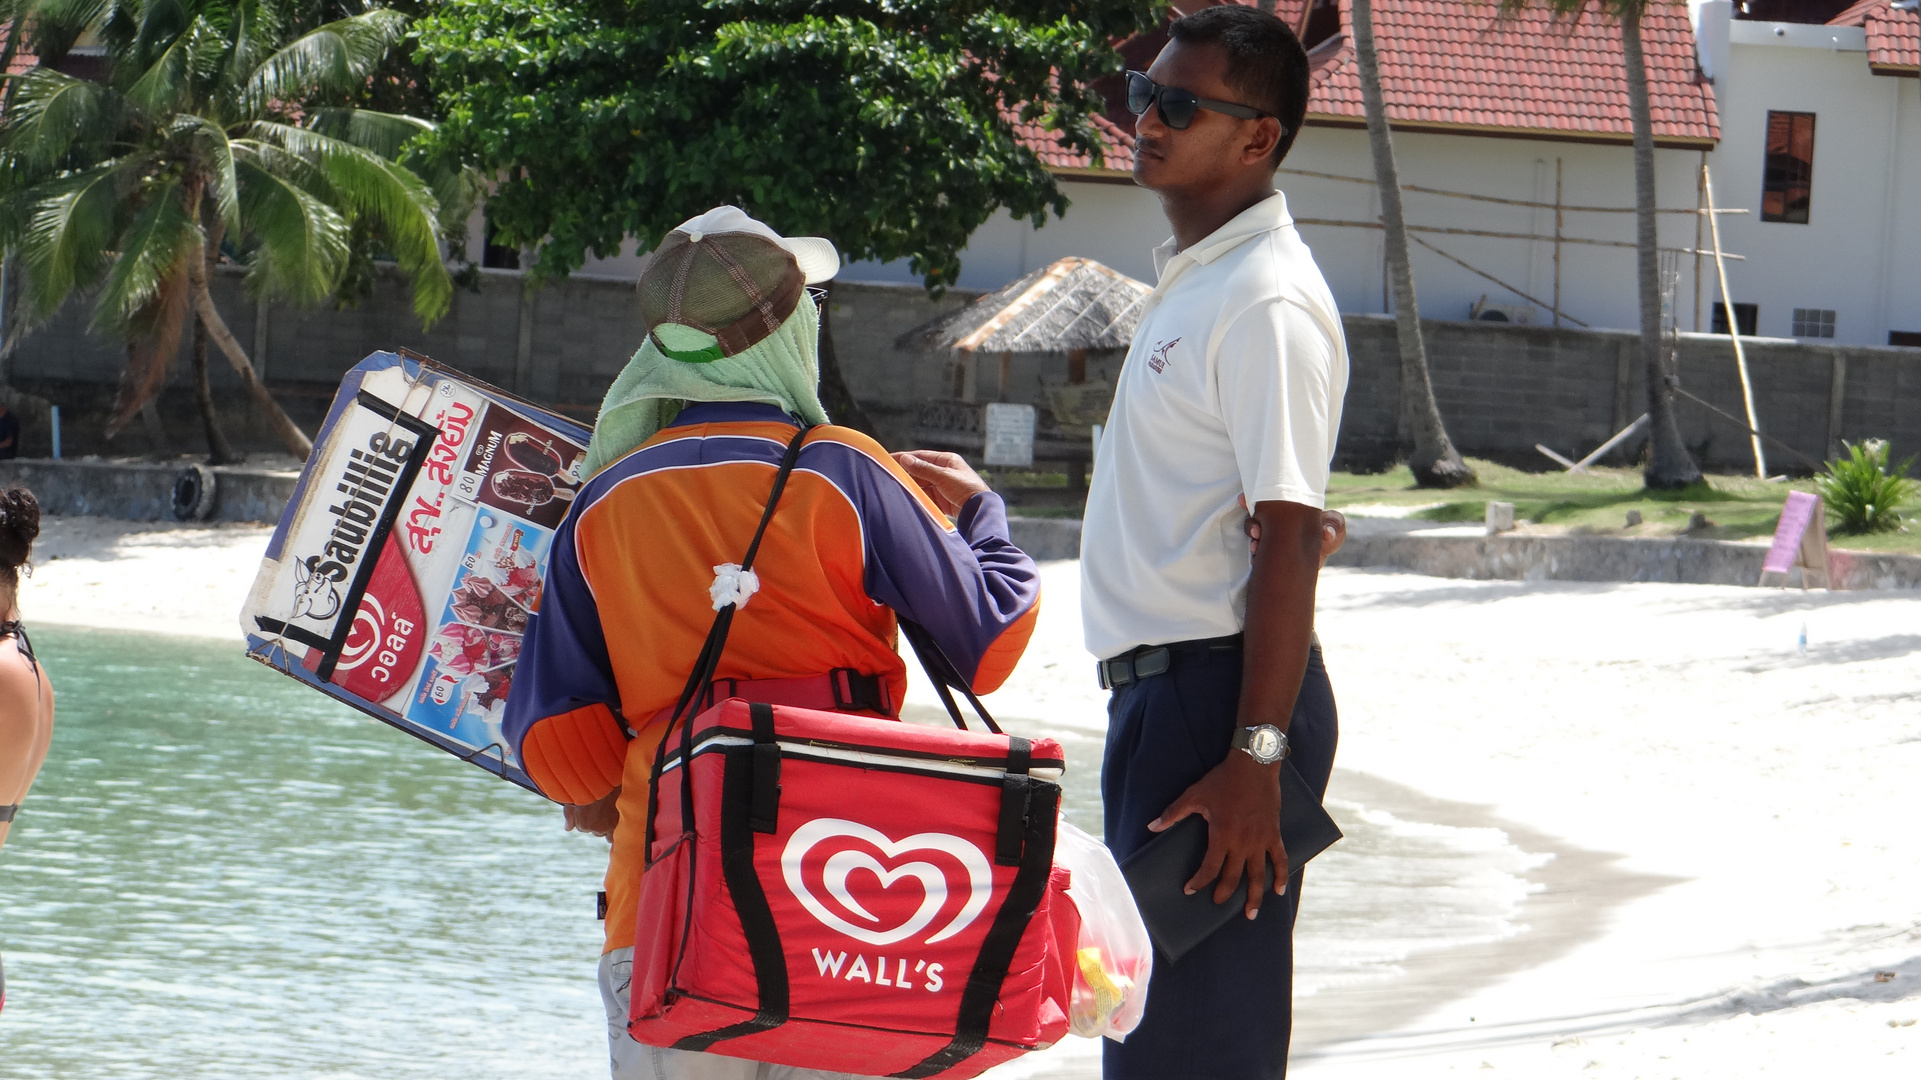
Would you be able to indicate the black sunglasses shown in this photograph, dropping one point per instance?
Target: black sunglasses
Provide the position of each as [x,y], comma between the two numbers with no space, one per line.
[1177,106]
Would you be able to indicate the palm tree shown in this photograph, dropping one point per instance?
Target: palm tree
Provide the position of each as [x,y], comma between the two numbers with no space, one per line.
[1669,463]
[209,131]
[1434,460]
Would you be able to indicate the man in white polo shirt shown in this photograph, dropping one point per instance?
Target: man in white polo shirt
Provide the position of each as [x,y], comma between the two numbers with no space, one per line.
[1232,392]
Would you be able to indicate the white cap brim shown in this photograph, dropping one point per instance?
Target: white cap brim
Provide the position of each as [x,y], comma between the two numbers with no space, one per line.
[818,258]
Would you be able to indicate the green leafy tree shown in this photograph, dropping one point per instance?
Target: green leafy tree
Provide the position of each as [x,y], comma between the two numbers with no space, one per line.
[212,128]
[1434,460]
[886,125]
[1669,464]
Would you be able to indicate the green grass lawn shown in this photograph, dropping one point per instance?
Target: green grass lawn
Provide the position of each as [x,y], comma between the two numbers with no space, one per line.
[1597,503]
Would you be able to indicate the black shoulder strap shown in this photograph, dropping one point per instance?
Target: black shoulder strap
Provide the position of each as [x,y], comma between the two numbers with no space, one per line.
[691,697]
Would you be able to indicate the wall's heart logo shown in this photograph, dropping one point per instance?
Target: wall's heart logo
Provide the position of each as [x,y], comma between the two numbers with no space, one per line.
[840,865]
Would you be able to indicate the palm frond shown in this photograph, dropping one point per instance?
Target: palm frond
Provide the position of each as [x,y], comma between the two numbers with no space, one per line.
[153,340]
[303,241]
[386,134]
[166,82]
[68,241]
[221,185]
[149,249]
[456,188]
[336,58]
[53,113]
[388,195]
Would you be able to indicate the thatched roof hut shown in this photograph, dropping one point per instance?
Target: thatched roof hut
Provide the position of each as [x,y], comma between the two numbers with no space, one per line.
[1074,305]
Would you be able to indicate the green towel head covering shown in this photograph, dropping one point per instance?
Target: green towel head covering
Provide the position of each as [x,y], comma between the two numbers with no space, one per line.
[783,370]
[724,298]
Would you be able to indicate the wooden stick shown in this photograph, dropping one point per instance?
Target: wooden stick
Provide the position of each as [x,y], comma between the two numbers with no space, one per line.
[1347,224]
[1734,328]
[1476,270]
[1619,437]
[1736,421]
[1557,242]
[1496,199]
[1570,466]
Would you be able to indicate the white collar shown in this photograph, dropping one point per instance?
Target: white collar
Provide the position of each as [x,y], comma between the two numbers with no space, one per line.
[1264,216]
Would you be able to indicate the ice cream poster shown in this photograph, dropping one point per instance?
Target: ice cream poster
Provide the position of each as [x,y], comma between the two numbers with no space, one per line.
[403,572]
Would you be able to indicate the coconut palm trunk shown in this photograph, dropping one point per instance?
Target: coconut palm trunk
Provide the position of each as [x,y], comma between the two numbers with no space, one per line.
[219,450]
[1669,464]
[1433,458]
[290,434]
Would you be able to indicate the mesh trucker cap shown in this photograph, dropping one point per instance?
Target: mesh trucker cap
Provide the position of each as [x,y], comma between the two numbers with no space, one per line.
[732,279]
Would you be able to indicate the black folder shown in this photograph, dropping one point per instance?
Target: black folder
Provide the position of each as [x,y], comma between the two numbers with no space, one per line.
[1156,873]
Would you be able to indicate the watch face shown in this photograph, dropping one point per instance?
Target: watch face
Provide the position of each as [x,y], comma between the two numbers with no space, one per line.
[1265,744]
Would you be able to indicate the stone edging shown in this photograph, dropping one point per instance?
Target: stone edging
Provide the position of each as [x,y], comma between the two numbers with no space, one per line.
[139,491]
[1542,558]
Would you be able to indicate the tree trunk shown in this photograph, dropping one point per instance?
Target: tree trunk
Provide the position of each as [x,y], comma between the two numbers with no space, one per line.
[1669,465]
[290,434]
[219,451]
[1434,460]
[835,397]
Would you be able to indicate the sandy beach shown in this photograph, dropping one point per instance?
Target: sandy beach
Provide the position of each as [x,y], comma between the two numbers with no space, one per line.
[1727,878]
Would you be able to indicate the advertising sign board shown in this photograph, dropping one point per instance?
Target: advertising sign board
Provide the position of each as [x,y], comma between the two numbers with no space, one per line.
[404,569]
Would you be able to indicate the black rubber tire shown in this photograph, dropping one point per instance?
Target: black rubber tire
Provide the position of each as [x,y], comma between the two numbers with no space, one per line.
[193,493]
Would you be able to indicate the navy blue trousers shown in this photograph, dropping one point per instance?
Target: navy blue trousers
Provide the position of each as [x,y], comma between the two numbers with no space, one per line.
[1225,1011]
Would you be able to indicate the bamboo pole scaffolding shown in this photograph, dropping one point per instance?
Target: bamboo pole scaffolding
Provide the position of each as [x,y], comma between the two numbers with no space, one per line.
[1734,327]
[1708,213]
[1558,315]
[1492,234]
[1558,222]
[1498,199]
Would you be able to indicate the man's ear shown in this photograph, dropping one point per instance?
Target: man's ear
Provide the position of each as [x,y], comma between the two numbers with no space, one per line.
[1260,145]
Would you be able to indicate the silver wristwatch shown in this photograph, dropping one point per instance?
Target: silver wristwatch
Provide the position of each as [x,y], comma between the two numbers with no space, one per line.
[1266,744]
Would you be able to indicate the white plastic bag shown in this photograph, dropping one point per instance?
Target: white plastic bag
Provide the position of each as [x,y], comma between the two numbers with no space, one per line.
[1114,957]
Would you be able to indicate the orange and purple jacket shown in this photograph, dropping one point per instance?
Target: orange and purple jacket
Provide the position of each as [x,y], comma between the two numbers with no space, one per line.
[626,605]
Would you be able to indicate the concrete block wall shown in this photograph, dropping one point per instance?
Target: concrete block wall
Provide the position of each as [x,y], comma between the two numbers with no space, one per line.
[1501,388]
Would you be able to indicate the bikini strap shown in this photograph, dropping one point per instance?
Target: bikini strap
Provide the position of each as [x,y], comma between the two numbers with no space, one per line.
[17,628]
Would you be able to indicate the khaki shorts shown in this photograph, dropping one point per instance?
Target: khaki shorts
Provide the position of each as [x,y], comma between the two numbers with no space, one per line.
[638,1061]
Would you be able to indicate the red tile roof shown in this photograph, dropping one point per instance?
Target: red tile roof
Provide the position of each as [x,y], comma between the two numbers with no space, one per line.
[1117,147]
[23,61]
[1453,66]
[1894,36]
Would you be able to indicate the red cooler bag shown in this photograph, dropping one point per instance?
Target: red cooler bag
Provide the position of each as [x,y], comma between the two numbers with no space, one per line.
[850,894]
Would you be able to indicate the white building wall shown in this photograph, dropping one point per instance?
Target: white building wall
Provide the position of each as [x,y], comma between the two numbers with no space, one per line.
[1118,224]
[1859,255]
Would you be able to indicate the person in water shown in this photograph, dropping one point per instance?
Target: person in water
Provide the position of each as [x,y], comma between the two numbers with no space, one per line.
[681,463]
[26,697]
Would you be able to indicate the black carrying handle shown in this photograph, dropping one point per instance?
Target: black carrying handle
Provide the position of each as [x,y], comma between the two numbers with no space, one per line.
[942,673]
[1018,785]
[699,683]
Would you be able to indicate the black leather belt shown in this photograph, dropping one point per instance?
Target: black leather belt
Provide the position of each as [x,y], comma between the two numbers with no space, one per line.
[1134,666]
[1148,661]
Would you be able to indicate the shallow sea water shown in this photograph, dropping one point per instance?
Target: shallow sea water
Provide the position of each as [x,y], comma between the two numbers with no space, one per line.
[223,874]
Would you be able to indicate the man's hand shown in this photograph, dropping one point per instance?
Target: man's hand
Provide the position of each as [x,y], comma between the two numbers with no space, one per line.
[947,478]
[598,818]
[1241,801]
[1333,531]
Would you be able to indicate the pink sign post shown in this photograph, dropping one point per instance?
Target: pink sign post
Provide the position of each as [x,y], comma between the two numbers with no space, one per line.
[1801,539]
